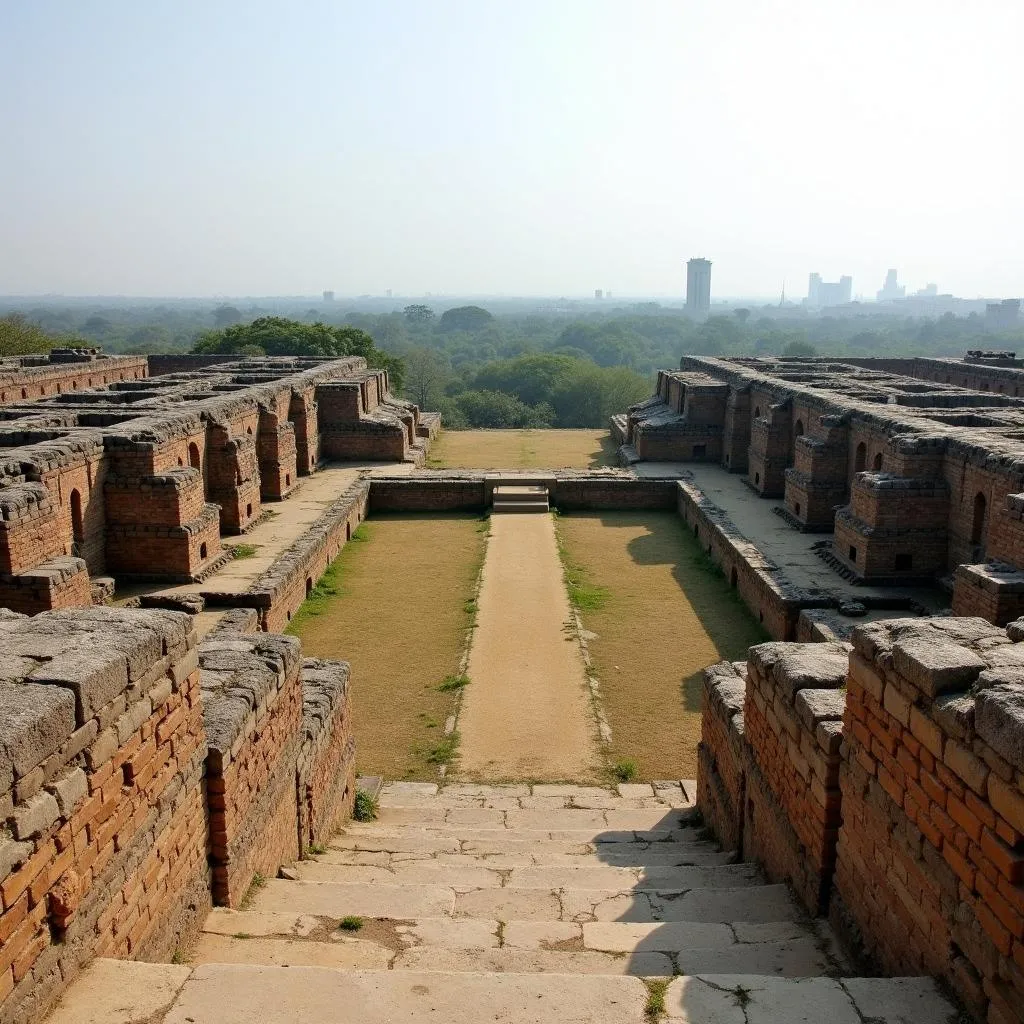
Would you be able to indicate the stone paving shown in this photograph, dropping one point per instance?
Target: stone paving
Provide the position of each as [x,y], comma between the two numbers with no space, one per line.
[524,904]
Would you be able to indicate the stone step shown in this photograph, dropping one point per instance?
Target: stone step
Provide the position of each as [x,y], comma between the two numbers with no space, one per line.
[591,875]
[239,994]
[754,903]
[242,994]
[501,855]
[455,834]
[596,820]
[520,506]
[789,949]
[672,792]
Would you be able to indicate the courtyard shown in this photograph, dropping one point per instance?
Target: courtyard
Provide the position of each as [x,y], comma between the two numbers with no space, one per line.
[522,449]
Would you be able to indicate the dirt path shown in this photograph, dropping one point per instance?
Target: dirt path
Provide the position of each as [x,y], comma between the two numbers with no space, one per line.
[526,713]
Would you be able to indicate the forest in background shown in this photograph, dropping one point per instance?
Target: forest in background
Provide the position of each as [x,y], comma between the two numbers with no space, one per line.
[566,365]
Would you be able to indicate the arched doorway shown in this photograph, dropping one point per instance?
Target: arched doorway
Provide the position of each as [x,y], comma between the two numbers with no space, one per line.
[798,430]
[980,519]
[877,464]
[860,458]
[193,456]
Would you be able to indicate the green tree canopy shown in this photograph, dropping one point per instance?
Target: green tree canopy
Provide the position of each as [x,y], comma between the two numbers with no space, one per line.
[278,336]
[417,313]
[465,318]
[19,337]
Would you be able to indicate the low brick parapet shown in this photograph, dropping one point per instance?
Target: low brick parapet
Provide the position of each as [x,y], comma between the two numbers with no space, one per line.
[721,779]
[325,775]
[253,712]
[793,728]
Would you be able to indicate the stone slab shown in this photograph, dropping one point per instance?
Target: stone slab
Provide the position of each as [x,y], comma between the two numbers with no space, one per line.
[235,994]
[396,901]
[120,992]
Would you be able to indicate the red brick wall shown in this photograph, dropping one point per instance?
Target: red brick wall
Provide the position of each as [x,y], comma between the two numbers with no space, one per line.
[931,853]
[108,853]
[721,782]
[792,728]
[35,382]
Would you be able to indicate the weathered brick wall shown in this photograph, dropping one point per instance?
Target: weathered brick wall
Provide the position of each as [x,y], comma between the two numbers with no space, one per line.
[931,853]
[325,778]
[764,590]
[721,780]
[252,706]
[34,382]
[101,760]
[993,591]
[278,593]
[793,728]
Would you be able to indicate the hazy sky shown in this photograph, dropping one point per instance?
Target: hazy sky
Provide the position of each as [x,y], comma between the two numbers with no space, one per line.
[247,147]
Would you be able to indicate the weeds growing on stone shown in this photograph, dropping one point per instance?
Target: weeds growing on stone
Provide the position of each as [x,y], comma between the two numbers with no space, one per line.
[625,769]
[351,923]
[316,849]
[366,806]
[243,550]
[655,1008]
[452,683]
[257,883]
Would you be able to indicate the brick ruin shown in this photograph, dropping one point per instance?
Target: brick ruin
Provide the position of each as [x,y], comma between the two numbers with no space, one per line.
[111,472]
[147,773]
[915,467]
[884,779]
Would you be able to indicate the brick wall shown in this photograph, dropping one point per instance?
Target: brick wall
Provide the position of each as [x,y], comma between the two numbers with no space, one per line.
[931,856]
[721,780]
[32,383]
[792,728]
[252,700]
[278,593]
[100,766]
[325,777]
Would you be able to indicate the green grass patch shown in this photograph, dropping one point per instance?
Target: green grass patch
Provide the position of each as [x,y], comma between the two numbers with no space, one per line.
[366,806]
[351,923]
[453,683]
[625,770]
[584,594]
[329,585]
[243,550]
[445,750]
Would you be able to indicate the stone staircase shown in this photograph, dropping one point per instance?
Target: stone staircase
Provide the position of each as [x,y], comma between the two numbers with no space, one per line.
[520,498]
[522,904]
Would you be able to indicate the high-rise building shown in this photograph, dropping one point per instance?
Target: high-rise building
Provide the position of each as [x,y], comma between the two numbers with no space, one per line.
[891,290]
[829,293]
[1002,316]
[698,287]
[598,293]
[328,295]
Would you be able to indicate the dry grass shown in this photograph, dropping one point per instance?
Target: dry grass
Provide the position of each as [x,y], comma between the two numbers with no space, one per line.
[666,613]
[399,617]
[522,449]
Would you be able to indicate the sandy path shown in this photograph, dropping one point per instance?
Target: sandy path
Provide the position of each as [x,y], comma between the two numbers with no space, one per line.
[526,713]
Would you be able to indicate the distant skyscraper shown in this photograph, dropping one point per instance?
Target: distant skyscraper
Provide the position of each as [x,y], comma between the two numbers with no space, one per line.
[598,293]
[891,290]
[698,287]
[389,293]
[829,293]
[328,296]
[1002,316]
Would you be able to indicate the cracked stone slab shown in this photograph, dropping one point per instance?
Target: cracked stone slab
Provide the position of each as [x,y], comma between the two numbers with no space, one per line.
[223,921]
[509,905]
[403,873]
[631,937]
[900,1000]
[288,952]
[235,994]
[120,992]
[539,934]
[464,933]
[534,961]
[717,998]
[338,901]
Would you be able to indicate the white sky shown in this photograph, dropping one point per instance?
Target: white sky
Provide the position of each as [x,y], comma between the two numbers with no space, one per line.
[246,147]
